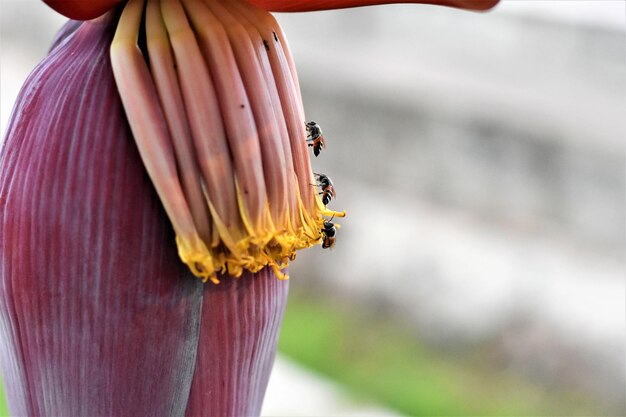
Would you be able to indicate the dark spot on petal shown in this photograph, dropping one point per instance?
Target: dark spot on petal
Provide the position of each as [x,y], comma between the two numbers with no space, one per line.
[275,37]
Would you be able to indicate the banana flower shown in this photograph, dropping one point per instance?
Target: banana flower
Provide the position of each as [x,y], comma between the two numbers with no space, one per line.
[155,131]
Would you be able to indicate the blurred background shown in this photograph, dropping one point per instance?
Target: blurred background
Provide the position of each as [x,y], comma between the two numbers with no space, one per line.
[480,157]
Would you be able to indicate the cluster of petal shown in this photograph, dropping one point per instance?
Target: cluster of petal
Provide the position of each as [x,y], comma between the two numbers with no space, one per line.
[217,116]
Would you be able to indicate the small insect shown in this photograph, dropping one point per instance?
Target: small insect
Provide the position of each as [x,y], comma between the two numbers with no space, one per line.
[315,136]
[328,231]
[326,184]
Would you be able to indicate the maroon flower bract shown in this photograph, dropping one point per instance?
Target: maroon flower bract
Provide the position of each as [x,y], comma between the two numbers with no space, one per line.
[98,315]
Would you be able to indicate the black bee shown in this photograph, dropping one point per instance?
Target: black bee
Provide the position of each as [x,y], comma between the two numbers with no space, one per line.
[328,191]
[315,136]
[328,231]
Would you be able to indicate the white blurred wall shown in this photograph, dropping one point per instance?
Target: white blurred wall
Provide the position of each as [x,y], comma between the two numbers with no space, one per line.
[480,158]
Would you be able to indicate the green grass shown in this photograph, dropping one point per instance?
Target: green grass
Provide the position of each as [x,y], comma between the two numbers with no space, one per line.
[4,411]
[378,361]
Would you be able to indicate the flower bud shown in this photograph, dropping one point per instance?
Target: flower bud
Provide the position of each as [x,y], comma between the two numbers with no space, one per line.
[99,317]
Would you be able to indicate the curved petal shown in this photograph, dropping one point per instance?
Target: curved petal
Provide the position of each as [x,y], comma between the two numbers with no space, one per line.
[310,5]
[240,323]
[97,314]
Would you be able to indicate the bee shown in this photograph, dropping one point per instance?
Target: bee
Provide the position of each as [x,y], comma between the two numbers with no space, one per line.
[325,183]
[328,231]
[315,136]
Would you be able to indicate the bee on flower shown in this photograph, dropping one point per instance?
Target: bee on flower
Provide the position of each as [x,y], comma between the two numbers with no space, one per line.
[315,137]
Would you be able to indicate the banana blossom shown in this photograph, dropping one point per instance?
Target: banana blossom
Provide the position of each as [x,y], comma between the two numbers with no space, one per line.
[150,123]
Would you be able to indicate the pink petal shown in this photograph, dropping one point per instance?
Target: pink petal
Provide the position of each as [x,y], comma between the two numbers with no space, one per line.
[240,321]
